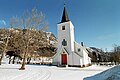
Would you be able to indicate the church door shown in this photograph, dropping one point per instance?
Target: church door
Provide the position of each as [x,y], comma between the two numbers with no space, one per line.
[64,59]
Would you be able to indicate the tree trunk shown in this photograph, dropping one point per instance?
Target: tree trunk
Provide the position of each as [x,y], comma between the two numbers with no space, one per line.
[23,63]
[3,54]
[13,60]
[18,60]
[9,59]
[1,58]
[24,58]
[28,60]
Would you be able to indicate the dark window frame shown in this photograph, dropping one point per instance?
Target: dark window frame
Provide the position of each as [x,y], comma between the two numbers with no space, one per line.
[64,42]
[78,49]
[63,27]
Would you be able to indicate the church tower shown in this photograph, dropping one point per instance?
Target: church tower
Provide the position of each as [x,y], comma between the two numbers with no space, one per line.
[66,32]
[69,52]
[66,35]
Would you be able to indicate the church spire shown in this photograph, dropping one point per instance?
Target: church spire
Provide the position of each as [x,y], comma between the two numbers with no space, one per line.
[65,15]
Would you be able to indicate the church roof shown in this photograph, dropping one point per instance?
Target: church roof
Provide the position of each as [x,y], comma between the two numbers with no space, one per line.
[64,16]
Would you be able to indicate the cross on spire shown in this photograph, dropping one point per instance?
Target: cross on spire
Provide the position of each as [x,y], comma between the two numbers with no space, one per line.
[64,3]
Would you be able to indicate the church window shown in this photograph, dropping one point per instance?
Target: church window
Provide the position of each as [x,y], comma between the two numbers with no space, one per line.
[63,27]
[64,42]
[79,50]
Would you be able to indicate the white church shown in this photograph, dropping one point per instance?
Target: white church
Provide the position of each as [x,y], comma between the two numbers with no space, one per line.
[69,52]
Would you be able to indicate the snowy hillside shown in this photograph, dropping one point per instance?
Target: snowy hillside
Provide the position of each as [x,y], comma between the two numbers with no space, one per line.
[51,38]
[110,74]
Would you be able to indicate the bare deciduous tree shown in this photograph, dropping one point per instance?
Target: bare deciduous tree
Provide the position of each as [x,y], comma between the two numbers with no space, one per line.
[31,37]
[5,35]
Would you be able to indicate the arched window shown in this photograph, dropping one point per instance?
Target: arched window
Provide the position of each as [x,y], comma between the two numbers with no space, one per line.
[64,42]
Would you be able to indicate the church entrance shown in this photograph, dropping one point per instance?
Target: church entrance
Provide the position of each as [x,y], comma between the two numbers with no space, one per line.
[64,59]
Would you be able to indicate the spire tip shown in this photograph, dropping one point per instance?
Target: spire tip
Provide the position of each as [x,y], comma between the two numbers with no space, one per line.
[64,3]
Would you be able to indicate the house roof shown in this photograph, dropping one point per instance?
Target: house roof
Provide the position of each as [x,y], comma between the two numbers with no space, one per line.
[82,47]
[78,54]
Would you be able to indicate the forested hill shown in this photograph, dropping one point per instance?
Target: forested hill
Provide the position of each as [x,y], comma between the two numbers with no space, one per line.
[14,39]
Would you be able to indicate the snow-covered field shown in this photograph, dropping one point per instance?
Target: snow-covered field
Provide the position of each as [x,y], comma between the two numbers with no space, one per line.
[110,74]
[38,72]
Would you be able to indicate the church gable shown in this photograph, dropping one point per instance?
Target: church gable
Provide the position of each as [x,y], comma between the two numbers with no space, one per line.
[64,50]
[78,48]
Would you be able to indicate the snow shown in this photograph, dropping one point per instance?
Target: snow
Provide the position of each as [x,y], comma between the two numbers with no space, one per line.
[39,72]
[110,74]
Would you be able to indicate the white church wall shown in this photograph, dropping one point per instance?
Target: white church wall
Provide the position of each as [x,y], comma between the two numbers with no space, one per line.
[72,36]
[89,60]
[67,34]
[70,59]
[81,62]
[77,47]
[76,59]
[85,58]
[56,60]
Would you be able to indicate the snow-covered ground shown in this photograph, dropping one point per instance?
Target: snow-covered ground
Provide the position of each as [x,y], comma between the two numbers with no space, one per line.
[38,72]
[110,74]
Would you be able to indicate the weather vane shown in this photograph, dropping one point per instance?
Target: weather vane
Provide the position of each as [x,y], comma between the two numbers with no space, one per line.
[64,3]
